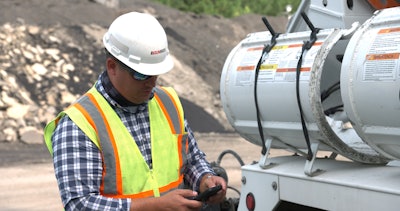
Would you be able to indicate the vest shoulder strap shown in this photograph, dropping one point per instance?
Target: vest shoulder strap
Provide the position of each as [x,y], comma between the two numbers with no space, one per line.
[171,105]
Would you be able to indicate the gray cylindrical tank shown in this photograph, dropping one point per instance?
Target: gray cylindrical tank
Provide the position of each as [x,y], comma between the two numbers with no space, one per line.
[370,82]
[321,94]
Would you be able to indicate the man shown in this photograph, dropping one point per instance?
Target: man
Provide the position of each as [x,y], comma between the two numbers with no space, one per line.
[125,144]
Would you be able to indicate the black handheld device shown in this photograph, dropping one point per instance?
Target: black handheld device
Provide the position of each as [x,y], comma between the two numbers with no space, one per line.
[203,196]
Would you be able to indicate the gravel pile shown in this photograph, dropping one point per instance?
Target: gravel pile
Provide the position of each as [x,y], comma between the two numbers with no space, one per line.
[51,53]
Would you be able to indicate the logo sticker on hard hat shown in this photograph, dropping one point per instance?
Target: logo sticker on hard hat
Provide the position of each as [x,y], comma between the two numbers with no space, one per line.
[158,51]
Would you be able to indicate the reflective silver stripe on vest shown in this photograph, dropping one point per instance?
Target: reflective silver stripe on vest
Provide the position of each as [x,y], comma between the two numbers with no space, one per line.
[172,112]
[183,152]
[110,186]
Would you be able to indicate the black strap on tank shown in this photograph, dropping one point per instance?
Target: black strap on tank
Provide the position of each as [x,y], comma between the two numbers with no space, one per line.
[306,46]
[265,51]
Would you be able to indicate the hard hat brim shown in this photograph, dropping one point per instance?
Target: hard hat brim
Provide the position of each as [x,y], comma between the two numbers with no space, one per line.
[149,69]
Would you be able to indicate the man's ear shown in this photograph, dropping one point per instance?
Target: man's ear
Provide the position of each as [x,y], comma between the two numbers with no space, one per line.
[111,65]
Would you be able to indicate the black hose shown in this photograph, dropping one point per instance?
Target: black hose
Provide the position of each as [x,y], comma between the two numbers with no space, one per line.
[333,110]
[236,190]
[264,53]
[223,153]
[325,94]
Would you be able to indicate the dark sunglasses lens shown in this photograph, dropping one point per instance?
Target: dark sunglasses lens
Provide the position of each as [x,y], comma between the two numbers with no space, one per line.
[139,76]
[136,75]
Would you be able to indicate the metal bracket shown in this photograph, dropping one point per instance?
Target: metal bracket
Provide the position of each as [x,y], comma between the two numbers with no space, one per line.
[309,163]
[264,160]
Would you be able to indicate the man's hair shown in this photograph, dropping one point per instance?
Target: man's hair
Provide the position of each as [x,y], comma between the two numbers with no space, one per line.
[108,54]
[121,64]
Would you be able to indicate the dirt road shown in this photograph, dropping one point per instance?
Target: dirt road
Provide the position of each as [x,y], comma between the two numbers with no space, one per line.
[29,184]
[29,187]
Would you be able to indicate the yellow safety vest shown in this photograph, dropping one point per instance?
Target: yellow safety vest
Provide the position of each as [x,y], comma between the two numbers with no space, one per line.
[125,172]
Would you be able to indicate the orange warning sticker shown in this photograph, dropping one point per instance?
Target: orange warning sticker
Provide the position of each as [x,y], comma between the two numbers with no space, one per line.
[255,49]
[386,56]
[245,68]
[389,30]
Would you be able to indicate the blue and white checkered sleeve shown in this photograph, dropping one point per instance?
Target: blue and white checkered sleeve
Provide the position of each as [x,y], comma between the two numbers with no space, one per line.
[78,169]
[197,163]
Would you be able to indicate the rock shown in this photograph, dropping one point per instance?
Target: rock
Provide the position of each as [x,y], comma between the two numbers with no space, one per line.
[9,135]
[17,111]
[39,69]
[31,135]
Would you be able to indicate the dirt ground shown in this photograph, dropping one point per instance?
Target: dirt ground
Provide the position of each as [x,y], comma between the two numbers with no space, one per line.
[28,181]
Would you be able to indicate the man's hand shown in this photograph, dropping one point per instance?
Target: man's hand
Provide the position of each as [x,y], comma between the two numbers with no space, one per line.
[179,200]
[209,181]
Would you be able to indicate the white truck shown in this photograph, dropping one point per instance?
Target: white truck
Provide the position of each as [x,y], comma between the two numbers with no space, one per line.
[330,83]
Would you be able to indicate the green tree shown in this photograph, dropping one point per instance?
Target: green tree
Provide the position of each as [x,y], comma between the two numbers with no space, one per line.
[232,8]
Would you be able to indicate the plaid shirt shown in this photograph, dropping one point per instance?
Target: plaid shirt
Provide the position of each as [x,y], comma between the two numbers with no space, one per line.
[78,162]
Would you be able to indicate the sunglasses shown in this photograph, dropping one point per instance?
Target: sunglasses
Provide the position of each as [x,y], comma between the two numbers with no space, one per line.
[135,74]
[138,76]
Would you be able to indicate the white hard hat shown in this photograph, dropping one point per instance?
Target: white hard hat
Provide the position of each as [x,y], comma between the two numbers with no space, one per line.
[139,41]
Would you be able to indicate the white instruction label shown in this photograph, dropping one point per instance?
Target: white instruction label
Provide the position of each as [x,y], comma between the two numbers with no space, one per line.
[279,66]
[382,60]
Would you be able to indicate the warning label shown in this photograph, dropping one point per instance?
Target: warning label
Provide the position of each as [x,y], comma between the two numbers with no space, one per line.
[280,64]
[382,60]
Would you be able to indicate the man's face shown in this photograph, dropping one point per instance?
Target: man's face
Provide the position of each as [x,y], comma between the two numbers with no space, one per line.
[134,90]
